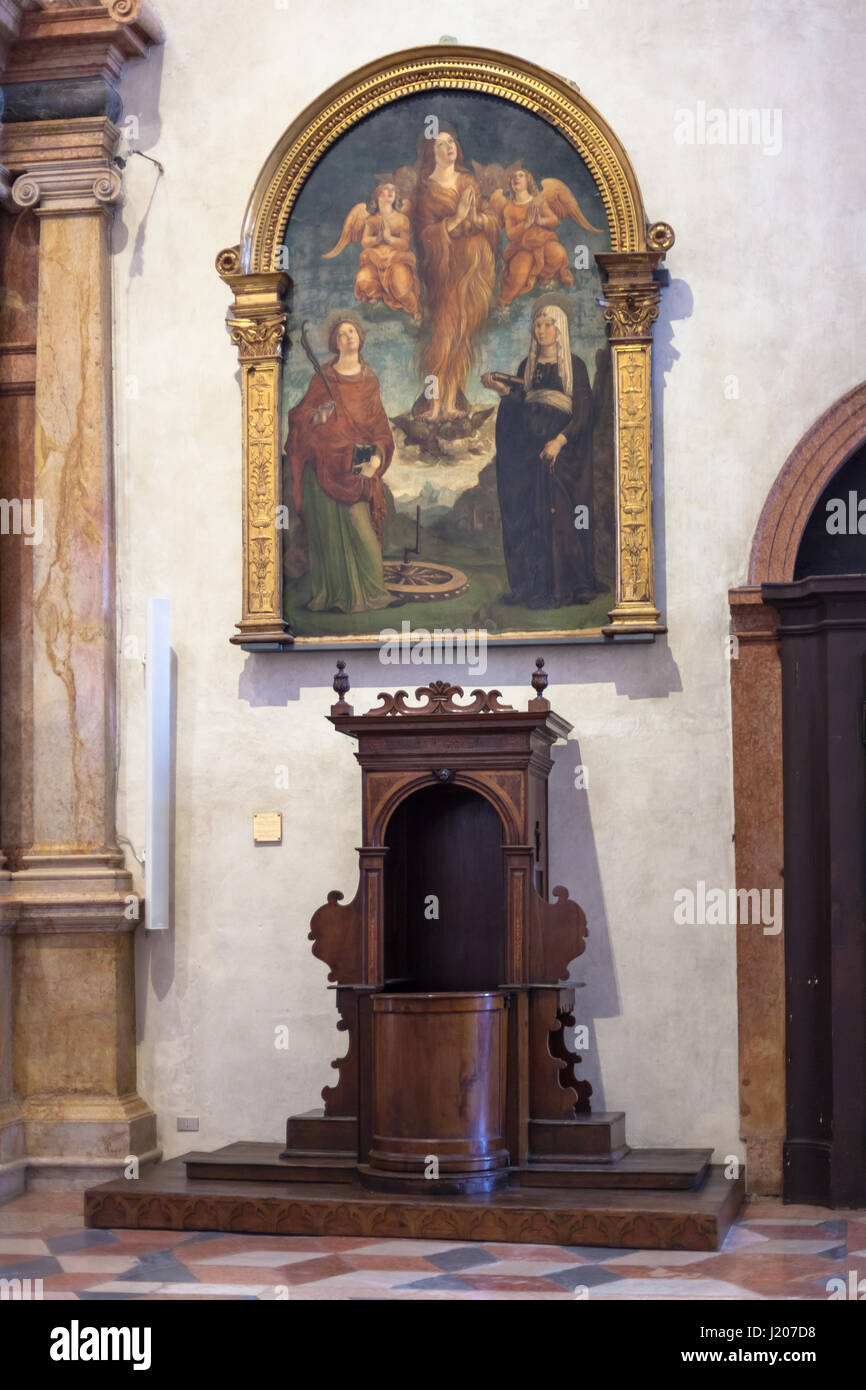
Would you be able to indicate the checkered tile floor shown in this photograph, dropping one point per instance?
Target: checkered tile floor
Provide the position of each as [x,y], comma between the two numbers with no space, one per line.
[772,1252]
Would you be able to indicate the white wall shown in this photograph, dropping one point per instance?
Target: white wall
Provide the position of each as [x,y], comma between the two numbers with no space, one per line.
[768,282]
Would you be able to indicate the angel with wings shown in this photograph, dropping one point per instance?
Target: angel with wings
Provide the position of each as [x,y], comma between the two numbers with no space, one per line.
[533,254]
[387,269]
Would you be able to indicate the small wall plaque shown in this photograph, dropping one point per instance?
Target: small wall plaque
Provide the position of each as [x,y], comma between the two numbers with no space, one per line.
[268,828]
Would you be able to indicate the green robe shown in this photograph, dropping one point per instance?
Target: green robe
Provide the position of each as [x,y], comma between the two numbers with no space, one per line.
[345,555]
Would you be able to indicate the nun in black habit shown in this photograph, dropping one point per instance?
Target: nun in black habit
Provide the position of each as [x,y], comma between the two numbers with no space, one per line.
[544,467]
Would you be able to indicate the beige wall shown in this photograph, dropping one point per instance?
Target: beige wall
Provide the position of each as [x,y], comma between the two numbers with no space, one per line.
[767,283]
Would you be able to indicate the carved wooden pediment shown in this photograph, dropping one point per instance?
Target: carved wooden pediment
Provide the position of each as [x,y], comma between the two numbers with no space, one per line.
[441,698]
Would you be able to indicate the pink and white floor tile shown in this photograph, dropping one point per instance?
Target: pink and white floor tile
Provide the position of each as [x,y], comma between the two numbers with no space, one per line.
[772,1252]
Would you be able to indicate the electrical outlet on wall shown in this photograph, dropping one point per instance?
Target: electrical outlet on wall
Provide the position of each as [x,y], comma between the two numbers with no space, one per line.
[187,1121]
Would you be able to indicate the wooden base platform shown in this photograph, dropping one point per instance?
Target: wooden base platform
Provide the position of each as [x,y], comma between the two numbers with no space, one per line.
[659,1169]
[165,1198]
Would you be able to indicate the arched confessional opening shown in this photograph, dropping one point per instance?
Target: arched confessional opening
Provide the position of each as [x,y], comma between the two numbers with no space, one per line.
[445,909]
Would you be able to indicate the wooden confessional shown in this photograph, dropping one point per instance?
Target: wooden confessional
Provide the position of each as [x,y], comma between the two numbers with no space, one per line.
[451,966]
[457,1111]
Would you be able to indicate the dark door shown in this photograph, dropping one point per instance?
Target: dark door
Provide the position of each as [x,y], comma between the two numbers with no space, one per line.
[823,654]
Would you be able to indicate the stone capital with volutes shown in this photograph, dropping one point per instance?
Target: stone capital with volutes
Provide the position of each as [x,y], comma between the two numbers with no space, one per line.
[69,187]
[64,167]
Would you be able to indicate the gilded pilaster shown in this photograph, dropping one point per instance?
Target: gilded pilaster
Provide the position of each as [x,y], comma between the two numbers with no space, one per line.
[630,307]
[256,323]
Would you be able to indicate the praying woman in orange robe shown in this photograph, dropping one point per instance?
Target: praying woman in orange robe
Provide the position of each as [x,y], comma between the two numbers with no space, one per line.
[457,237]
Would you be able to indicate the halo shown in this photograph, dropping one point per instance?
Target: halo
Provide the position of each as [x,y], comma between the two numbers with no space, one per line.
[341,316]
[552,300]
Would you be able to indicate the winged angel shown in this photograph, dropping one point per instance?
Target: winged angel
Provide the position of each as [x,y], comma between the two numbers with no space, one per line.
[456,216]
[387,269]
[533,253]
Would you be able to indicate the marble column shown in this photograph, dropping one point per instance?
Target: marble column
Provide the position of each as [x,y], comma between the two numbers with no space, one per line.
[12,1162]
[70,896]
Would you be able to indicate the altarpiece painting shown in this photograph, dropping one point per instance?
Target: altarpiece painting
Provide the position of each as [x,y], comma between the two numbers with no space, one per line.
[444,304]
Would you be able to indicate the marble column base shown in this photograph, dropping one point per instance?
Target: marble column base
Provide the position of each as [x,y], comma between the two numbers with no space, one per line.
[13,1164]
[13,1175]
[57,872]
[76,1141]
[66,922]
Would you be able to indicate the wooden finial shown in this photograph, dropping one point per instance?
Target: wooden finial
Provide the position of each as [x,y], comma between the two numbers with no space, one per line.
[539,684]
[341,686]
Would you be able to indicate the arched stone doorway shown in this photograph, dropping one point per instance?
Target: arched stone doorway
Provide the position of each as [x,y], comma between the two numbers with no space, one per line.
[758,762]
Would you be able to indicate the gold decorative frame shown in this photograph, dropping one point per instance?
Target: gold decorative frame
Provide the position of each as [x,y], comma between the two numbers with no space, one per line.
[257,318]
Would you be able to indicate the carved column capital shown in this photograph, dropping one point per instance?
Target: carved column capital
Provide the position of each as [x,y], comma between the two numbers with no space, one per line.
[631,294]
[63,187]
[257,320]
[630,313]
[257,339]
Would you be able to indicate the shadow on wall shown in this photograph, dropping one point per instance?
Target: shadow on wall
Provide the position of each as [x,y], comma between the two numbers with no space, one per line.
[677,302]
[572,845]
[640,670]
[141,127]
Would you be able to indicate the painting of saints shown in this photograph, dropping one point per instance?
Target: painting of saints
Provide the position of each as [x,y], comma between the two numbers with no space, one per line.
[339,445]
[457,237]
[387,267]
[544,466]
[533,254]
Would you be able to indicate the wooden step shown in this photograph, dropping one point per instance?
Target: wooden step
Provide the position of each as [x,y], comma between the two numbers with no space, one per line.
[252,1162]
[314,1130]
[648,1169]
[600,1136]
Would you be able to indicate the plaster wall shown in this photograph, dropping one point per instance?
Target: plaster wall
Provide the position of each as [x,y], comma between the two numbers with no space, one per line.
[755,339]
